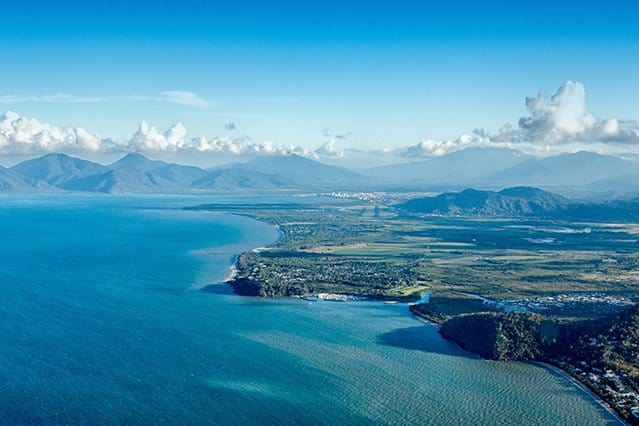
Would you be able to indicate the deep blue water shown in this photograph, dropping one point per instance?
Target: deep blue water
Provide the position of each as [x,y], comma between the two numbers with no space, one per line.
[102,320]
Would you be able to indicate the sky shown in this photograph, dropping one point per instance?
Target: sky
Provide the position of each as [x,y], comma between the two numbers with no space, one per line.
[318,78]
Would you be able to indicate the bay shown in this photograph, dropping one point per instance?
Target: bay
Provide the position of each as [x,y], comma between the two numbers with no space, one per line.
[103,320]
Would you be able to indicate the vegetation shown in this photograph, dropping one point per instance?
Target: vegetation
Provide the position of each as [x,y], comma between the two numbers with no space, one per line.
[502,336]
[520,289]
[601,353]
[521,202]
[366,248]
[518,201]
[442,307]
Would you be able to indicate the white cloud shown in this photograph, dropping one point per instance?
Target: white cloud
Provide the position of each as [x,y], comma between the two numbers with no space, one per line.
[23,135]
[556,124]
[436,148]
[564,119]
[244,146]
[52,98]
[185,98]
[561,123]
[328,149]
[179,97]
[149,139]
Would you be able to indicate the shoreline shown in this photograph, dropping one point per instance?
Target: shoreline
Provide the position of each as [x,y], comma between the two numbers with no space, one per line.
[233,271]
[550,367]
[338,297]
[583,388]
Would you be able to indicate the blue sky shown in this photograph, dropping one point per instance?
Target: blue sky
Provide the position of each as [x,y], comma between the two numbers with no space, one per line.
[390,73]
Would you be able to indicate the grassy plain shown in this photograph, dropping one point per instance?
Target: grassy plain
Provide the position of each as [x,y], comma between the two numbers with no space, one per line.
[364,248]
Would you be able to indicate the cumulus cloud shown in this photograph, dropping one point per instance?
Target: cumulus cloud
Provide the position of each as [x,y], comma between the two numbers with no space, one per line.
[328,149]
[564,118]
[148,139]
[23,135]
[559,122]
[436,148]
[243,146]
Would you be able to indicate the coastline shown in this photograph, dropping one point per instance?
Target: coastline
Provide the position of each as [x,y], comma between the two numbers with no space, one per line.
[234,274]
[583,388]
[552,368]
[232,271]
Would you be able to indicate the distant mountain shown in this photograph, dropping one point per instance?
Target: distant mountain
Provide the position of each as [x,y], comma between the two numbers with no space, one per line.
[460,167]
[59,170]
[176,173]
[240,178]
[137,174]
[510,202]
[497,167]
[12,183]
[565,170]
[279,172]
[622,185]
[134,173]
[484,168]
[301,170]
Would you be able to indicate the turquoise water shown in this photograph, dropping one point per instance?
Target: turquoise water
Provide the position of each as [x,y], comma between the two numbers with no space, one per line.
[103,320]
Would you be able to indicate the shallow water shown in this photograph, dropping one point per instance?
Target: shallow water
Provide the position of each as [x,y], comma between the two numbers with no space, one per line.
[103,320]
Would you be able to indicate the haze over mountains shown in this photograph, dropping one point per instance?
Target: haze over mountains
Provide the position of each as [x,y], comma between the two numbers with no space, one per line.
[483,168]
[136,174]
[509,202]
[522,202]
[499,167]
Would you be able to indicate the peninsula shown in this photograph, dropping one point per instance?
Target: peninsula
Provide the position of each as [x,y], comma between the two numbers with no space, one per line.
[533,286]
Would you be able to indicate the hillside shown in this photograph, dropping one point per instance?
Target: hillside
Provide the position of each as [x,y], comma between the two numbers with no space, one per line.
[502,336]
[611,343]
[602,353]
[12,183]
[58,170]
[565,170]
[460,167]
[240,178]
[279,173]
[510,202]
[134,173]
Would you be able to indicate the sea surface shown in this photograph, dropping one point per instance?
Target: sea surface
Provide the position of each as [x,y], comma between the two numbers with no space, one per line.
[103,320]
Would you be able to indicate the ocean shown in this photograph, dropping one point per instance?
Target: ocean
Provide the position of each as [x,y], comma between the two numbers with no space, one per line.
[111,312]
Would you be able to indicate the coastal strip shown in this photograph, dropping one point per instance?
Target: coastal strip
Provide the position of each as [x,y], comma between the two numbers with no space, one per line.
[594,397]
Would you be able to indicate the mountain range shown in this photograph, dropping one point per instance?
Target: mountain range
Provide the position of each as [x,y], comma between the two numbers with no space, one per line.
[11,182]
[137,174]
[517,201]
[522,202]
[483,168]
[501,167]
